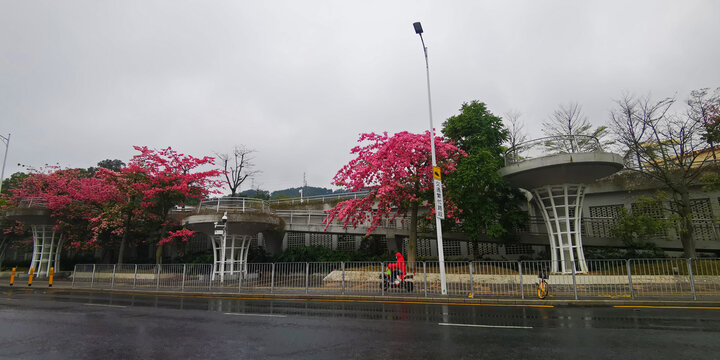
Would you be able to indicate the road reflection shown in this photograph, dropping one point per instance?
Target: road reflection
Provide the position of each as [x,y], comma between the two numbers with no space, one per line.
[533,317]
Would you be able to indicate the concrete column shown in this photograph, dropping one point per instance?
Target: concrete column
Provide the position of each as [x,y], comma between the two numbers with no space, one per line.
[393,243]
[358,241]
[334,241]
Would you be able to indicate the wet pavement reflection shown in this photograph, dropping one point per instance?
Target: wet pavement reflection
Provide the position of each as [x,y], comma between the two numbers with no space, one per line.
[125,325]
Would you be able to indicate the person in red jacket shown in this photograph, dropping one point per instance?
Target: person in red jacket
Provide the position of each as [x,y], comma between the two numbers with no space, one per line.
[397,270]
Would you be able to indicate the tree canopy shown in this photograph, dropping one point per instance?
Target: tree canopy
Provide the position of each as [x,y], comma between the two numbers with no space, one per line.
[397,171]
[100,208]
[489,205]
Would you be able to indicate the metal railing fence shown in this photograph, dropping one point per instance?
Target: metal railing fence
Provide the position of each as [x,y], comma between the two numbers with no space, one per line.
[318,198]
[609,279]
[240,204]
[551,145]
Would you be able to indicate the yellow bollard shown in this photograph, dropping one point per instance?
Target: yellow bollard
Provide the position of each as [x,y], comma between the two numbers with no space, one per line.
[30,277]
[12,276]
[50,278]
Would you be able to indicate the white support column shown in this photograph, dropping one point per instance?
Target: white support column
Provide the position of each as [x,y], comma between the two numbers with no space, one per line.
[46,249]
[561,206]
[215,240]
[223,258]
[243,254]
[232,254]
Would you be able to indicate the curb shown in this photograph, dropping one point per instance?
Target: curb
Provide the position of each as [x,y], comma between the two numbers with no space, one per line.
[60,287]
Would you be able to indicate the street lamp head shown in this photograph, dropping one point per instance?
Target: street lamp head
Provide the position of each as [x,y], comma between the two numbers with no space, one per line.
[224,218]
[418,28]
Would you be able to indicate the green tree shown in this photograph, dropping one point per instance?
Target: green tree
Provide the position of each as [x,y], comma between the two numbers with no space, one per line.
[12,182]
[668,150]
[572,131]
[489,206]
[114,165]
[636,228]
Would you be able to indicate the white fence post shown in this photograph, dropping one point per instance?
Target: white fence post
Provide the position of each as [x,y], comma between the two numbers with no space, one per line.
[135,276]
[182,285]
[382,277]
[425,277]
[692,278]
[112,281]
[272,278]
[240,275]
[632,291]
[157,287]
[472,285]
[342,264]
[522,286]
[74,275]
[307,277]
[572,263]
[92,278]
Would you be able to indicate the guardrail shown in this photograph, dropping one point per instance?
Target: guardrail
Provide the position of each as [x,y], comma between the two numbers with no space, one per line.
[631,279]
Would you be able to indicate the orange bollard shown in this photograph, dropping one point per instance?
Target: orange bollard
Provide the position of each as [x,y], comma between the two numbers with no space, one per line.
[12,276]
[30,277]
[50,278]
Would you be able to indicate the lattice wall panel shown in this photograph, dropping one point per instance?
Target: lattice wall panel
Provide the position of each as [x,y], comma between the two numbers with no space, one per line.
[451,248]
[295,239]
[321,239]
[346,242]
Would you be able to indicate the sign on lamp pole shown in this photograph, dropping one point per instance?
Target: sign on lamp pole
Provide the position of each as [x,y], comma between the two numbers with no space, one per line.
[437,180]
[6,140]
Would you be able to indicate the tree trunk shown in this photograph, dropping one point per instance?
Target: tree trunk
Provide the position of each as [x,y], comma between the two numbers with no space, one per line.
[158,254]
[687,231]
[3,247]
[121,250]
[123,242]
[412,240]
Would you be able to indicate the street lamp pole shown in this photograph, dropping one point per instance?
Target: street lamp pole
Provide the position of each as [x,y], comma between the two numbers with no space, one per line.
[439,215]
[6,140]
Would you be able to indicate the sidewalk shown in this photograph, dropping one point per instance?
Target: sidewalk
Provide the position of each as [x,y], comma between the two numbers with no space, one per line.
[41,285]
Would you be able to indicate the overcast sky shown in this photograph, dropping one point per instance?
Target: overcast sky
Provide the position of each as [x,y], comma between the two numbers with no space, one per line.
[83,81]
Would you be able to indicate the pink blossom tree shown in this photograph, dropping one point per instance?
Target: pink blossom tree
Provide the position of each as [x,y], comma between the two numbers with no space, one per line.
[74,197]
[158,180]
[101,209]
[397,170]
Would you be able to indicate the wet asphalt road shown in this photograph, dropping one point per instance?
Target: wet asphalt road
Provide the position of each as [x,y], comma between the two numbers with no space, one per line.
[83,325]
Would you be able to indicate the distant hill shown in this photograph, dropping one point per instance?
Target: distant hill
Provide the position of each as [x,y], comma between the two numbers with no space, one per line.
[258,194]
[307,191]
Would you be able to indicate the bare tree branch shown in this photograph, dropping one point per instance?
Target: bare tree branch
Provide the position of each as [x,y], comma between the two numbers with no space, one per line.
[237,166]
[666,147]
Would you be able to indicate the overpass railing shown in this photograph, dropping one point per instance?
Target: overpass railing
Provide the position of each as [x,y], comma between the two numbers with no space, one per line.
[630,279]
[564,144]
[233,204]
[244,204]
[318,198]
[32,202]
[316,218]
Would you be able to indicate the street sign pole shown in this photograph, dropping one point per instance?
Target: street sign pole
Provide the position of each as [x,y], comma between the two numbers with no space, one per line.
[439,211]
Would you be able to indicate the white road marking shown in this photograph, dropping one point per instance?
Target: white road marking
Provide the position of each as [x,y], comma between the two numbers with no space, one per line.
[487,326]
[266,315]
[105,305]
